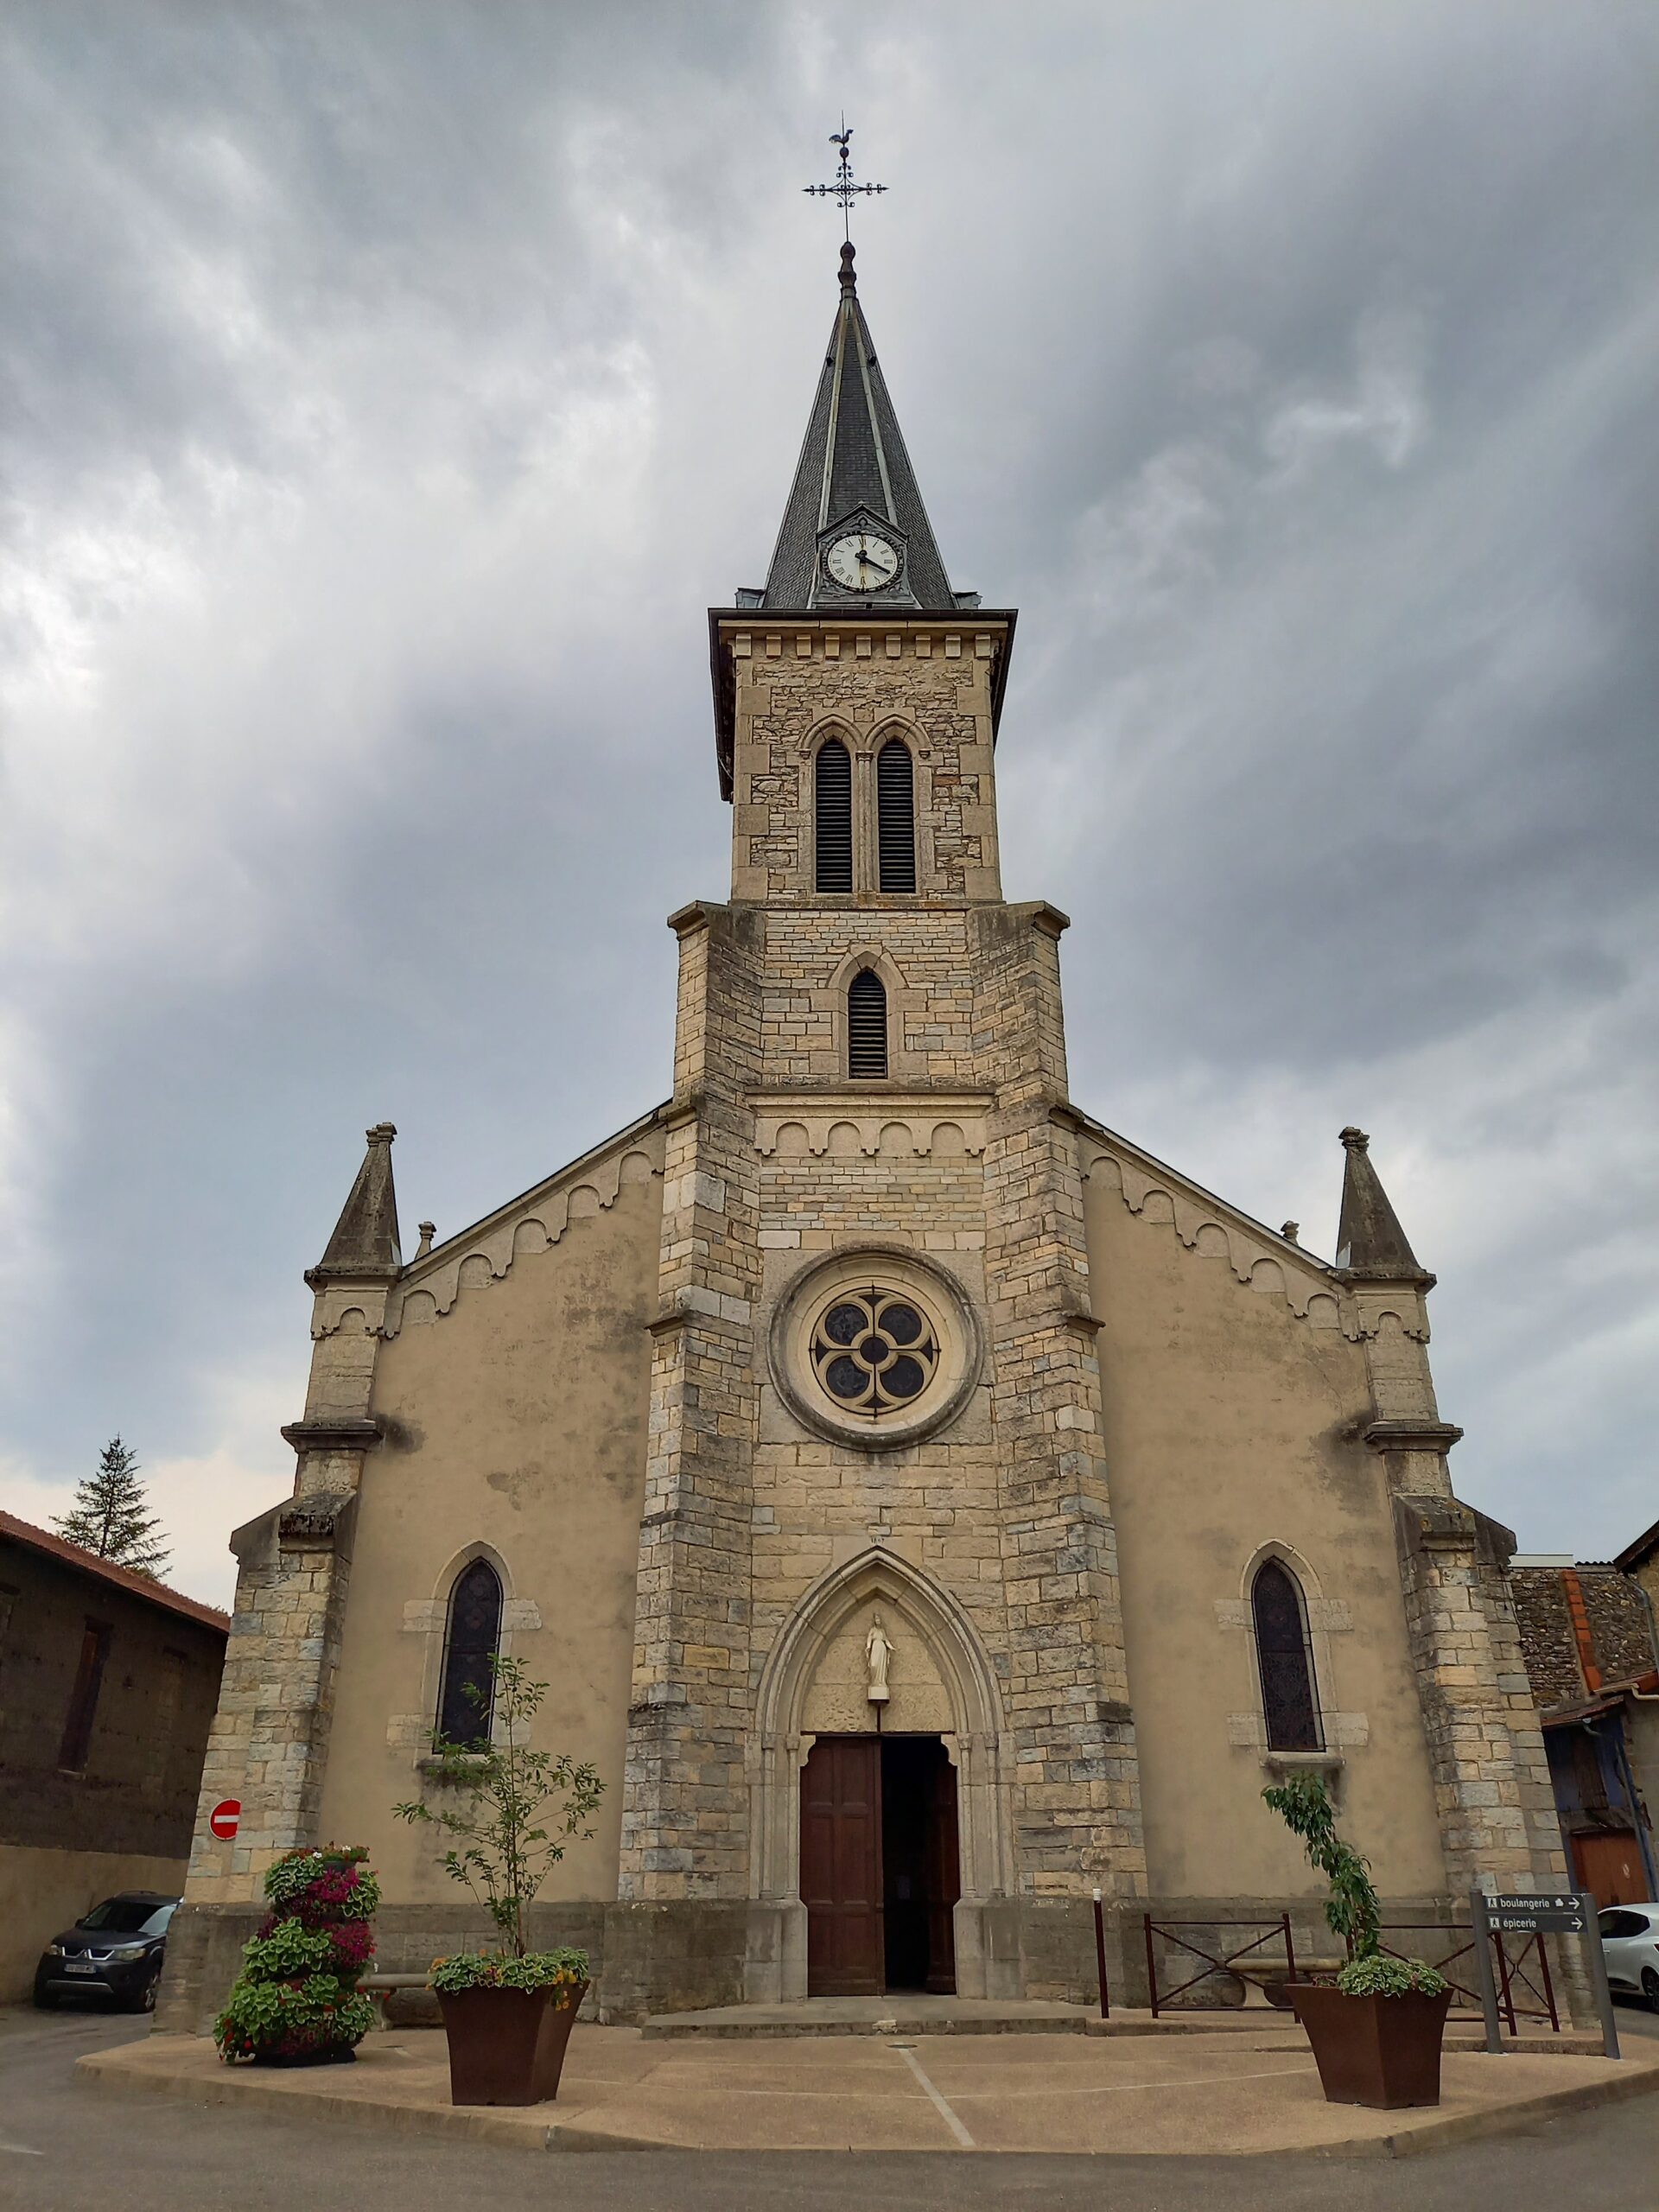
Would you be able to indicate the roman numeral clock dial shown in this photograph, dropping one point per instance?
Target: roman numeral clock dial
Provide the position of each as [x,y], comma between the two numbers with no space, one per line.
[862,562]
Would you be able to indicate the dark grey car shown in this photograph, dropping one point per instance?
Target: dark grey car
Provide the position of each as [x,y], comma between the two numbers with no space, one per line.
[115,1952]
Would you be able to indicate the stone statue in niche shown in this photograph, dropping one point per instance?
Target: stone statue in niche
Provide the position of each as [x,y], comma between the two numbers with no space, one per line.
[877,1652]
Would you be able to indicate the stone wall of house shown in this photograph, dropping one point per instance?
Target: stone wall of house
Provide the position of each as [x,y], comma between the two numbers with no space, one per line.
[1548,1643]
[1621,1631]
[137,1792]
[1569,1615]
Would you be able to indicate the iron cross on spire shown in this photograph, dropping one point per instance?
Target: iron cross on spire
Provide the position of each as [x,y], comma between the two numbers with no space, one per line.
[843,191]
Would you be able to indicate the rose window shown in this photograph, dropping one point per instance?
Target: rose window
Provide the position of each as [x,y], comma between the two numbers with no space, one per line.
[873,1352]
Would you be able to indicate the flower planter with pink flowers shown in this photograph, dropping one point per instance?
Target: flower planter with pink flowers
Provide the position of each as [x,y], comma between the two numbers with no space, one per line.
[296,2001]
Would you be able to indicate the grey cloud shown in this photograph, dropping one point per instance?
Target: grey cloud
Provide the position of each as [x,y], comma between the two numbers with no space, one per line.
[388,391]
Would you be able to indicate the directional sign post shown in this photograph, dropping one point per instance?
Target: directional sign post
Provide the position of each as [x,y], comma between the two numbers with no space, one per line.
[1552,1913]
[1596,1959]
[1543,1912]
[1479,1908]
[224,1818]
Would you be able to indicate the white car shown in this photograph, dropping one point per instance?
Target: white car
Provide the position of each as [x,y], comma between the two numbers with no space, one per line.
[1629,1943]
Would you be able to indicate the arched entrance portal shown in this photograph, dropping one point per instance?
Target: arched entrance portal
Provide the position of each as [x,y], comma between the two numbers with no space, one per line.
[879,1826]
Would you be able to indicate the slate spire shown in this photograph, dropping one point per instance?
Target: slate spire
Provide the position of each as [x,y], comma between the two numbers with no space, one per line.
[1370,1240]
[854,463]
[365,1242]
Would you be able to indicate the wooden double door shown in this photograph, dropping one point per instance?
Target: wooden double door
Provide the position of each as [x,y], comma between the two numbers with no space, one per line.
[880,1871]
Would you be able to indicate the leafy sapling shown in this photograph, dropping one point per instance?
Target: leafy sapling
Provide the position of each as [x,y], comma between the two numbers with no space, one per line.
[1352,1908]
[503,1840]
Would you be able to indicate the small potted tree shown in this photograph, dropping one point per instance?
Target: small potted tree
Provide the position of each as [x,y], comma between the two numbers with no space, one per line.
[507,2013]
[1377,2030]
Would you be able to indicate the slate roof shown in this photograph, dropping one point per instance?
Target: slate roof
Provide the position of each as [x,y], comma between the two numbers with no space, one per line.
[853,456]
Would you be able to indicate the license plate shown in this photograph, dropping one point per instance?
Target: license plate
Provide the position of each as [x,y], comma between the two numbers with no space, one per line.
[78,1966]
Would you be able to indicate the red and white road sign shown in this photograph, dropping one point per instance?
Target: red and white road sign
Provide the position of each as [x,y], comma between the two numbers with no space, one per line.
[223,1817]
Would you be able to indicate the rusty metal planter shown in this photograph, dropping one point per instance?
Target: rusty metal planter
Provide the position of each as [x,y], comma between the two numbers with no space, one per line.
[506,2046]
[1374,2051]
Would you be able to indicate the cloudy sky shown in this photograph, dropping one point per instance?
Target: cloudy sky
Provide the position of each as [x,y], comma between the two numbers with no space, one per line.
[388,390]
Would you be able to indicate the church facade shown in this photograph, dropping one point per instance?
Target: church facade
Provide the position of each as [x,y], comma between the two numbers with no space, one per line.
[926,1507]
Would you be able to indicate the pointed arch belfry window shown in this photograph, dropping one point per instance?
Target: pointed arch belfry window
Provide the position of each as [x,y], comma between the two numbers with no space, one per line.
[896,814]
[1285,1655]
[473,1636]
[832,791]
[867,1026]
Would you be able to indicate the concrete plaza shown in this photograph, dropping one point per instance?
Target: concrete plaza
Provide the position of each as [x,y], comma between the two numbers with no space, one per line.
[1251,2092]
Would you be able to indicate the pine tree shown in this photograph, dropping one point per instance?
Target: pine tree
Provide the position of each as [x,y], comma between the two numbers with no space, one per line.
[108,1517]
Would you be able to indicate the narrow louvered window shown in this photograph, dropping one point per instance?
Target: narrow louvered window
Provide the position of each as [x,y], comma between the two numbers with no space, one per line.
[834,791]
[1287,1662]
[867,1026]
[467,1695]
[895,808]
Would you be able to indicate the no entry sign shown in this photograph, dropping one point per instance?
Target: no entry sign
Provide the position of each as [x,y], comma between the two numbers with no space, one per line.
[223,1817]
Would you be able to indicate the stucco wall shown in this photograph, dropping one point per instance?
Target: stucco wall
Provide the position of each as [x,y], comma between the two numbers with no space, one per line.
[1232,1422]
[517,1422]
[43,1891]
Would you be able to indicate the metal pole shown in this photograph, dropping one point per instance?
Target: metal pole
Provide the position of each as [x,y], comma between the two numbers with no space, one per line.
[1484,1967]
[1290,1950]
[1549,1987]
[1505,1991]
[1597,1965]
[1100,1957]
[1151,1965]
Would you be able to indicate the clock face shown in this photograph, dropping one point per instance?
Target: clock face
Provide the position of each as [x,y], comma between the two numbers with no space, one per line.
[862,562]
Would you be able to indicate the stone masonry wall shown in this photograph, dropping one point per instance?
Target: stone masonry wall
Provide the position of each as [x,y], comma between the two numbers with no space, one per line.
[683,1815]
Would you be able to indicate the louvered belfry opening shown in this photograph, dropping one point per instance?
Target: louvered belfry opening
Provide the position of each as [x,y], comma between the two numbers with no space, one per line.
[833,789]
[895,810]
[1287,1662]
[867,1026]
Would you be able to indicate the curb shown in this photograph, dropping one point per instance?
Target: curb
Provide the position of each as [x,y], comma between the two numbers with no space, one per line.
[105,2071]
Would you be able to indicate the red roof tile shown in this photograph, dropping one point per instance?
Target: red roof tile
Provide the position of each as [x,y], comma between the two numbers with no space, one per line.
[122,1578]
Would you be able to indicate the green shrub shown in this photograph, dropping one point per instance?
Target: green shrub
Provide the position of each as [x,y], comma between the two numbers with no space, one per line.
[562,1969]
[1376,1975]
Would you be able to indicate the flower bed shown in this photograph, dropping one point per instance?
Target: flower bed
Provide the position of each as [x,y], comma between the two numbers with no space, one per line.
[556,1970]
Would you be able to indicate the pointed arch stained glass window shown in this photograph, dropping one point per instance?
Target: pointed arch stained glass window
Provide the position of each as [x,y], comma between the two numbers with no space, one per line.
[473,1637]
[1286,1659]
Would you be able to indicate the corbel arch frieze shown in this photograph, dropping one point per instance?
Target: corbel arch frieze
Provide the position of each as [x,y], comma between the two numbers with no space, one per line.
[803,1132]
[1275,1270]
[474,1263]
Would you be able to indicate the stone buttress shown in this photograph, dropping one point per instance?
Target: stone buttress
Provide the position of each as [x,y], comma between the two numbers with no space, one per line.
[269,1746]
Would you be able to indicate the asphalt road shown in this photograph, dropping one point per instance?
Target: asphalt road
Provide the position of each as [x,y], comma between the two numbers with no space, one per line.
[65,2146]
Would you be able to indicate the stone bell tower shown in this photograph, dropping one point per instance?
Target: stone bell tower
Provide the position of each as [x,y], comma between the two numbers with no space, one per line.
[870,1102]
